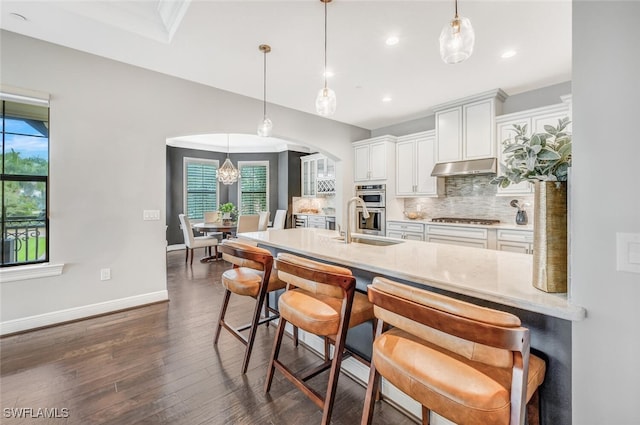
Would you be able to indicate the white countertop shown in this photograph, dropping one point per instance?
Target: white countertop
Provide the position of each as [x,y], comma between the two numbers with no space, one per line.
[509,226]
[497,276]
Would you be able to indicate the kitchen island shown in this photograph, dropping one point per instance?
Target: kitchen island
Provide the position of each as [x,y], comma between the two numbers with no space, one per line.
[495,279]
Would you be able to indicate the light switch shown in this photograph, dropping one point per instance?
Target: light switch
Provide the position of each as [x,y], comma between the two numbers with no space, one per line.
[151,215]
[628,252]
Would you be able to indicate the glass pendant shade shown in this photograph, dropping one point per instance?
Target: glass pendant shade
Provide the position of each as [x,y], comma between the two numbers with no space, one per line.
[265,128]
[326,102]
[456,40]
[228,174]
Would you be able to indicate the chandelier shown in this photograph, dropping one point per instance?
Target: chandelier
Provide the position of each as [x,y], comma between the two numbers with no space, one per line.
[228,174]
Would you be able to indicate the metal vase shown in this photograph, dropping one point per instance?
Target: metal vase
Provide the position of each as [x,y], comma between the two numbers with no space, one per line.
[550,237]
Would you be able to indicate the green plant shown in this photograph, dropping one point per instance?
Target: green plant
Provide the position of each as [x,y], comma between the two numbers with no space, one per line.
[542,157]
[228,208]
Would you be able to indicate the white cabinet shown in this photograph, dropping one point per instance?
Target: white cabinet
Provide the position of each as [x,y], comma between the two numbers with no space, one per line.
[475,237]
[404,230]
[535,120]
[371,158]
[465,128]
[515,241]
[318,175]
[415,157]
[317,222]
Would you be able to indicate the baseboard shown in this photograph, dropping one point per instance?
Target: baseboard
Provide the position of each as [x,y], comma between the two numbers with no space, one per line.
[71,314]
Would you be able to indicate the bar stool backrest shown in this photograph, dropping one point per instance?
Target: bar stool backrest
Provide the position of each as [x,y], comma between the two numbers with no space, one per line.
[314,277]
[244,255]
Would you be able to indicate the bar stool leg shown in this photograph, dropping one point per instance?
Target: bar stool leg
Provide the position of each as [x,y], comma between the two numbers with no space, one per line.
[252,332]
[223,311]
[274,354]
[425,416]
[338,351]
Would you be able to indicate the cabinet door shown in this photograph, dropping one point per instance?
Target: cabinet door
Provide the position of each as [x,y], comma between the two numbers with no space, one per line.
[414,236]
[394,234]
[449,134]
[506,132]
[478,122]
[538,122]
[309,178]
[361,162]
[425,160]
[378,161]
[405,168]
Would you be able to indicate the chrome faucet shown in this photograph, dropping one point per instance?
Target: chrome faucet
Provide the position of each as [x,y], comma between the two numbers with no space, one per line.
[365,214]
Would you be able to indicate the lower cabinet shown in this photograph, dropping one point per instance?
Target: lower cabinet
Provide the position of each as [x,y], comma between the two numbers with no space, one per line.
[515,241]
[316,222]
[475,237]
[404,230]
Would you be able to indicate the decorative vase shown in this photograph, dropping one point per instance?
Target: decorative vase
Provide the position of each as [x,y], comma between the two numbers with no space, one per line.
[550,237]
[521,217]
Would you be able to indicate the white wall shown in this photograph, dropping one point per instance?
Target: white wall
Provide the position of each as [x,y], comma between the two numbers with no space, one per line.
[606,200]
[109,124]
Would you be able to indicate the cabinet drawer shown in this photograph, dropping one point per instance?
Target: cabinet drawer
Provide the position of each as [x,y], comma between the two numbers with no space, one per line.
[474,243]
[515,236]
[316,221]
[405,227]
[459,232]
[412,236]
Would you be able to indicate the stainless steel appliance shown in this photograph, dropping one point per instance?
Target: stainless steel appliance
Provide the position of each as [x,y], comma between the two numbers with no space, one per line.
[301,221]
[375,224]
[373,195]
[330,223]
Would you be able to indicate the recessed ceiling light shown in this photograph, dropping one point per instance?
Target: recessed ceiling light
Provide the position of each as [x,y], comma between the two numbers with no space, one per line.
[508,54]
[18,16]
[392,41]
[386,99]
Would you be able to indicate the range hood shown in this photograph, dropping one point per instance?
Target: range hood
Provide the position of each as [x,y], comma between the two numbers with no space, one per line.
[461,168]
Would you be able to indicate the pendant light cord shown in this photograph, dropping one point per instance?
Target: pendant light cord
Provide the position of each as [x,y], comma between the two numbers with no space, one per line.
[456,17]
[264,104]
[325,44]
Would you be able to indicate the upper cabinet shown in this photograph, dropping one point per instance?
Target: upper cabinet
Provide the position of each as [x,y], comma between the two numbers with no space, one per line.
[415,157]
[371,158]
[465,128]
[535,120]
[318,175]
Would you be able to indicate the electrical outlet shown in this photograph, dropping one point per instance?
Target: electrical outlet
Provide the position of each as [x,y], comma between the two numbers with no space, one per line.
[105,274]
[628,252]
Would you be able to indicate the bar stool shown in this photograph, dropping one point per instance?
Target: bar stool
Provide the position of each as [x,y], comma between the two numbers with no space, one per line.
[320,299]
[469,364]
[252,276]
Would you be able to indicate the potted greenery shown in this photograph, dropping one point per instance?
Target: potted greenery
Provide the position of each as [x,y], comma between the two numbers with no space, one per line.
[544,160]
[228,211]
[541,157]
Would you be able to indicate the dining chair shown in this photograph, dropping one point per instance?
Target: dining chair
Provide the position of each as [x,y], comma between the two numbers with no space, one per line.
[469,364]
[247,223]
[264,220]
[192,242]
[279,219]
[213,217]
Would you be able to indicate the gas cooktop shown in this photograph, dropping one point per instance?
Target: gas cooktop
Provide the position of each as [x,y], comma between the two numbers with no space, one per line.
[484,221]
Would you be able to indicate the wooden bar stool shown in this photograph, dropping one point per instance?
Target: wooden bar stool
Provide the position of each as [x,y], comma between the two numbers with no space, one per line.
[252,276]
[320,299]
[469,364]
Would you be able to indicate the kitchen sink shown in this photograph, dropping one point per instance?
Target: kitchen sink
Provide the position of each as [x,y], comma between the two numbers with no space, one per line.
[371,241]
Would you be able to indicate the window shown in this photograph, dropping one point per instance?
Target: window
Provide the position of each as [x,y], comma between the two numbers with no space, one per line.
[25,180]
[200,186]
[254,187]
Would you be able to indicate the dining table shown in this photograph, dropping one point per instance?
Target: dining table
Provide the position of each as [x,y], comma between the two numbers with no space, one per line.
[218,226]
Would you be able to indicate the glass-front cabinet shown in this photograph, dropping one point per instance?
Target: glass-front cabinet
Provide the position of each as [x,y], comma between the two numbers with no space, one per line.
[318,175]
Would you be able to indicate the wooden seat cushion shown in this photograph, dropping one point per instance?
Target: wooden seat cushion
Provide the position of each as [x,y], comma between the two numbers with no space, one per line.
[461,390]
[320,314]
[246,281]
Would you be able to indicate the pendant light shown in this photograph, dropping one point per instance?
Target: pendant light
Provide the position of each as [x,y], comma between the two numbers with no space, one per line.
[266,126]
[228,174]
[326,100]
[457,39]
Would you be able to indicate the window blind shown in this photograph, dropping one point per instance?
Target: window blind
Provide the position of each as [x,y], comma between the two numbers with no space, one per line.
[201,187]
[253,188]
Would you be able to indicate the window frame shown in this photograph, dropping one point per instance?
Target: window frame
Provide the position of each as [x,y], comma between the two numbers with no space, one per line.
[41,262]
[242,164]
[185,198]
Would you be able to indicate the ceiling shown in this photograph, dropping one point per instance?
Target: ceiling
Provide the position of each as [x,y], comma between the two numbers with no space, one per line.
[216,43]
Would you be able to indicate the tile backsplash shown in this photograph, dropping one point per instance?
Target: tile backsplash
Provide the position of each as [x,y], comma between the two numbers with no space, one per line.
[323,205]
[471,197]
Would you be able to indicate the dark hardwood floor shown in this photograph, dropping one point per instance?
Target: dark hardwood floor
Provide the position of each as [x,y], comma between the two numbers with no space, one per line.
[157,365]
